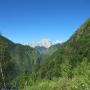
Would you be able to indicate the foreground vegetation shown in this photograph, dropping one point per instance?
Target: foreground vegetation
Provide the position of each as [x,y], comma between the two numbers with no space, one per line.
[79,81]
[76,83]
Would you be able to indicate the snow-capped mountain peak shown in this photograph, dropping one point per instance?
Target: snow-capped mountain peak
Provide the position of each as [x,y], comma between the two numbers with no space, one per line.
[44,43]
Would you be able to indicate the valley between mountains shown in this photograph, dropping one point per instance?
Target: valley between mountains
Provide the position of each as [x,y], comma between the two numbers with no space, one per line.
[62,66]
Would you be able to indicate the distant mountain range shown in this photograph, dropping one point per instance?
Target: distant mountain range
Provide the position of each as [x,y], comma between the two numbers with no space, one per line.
[45,43]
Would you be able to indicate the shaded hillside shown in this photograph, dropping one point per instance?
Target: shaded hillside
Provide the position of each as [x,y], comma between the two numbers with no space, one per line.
[6,65]
[47,52]
[20,58]
[25,57]
[41,49]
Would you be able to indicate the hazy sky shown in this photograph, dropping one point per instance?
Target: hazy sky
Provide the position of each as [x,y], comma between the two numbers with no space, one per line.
[30,20]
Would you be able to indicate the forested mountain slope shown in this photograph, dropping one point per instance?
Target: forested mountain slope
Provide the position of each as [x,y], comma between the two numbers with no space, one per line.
[16,59]
[72,52]
[47,52]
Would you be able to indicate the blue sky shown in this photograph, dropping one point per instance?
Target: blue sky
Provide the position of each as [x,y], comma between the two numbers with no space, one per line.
[30,20]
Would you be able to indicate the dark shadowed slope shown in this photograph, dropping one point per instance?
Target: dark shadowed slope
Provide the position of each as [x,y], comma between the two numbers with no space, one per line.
[18,59]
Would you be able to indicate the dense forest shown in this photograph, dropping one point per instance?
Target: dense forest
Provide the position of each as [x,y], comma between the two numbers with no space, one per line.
[61,67]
